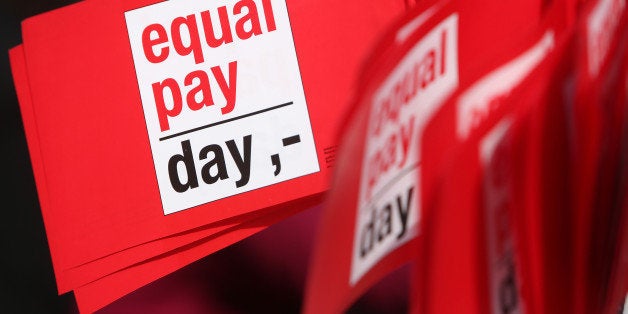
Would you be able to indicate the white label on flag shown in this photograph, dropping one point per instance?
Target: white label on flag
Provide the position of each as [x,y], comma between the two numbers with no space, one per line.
[388,204]
[222,96]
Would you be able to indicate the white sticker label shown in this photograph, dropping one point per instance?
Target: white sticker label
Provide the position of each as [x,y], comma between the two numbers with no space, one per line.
[388,204]
[222,97]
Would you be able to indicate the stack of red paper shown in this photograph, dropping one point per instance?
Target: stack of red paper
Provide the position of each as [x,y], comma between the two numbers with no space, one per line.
[483,143]
[160,132]
[487,148]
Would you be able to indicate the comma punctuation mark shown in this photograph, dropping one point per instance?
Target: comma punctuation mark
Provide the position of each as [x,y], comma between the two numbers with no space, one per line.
[286,142]
[277,163]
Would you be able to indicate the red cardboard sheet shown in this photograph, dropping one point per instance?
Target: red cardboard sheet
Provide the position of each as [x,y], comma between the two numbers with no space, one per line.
[460,265]
[372,213]
[130,269]
[542,209]
[618,281]
[597,121]
[92,134]
[455,226]
[469,262]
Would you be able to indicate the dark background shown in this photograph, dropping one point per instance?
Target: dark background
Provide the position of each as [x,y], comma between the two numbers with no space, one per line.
[262,274]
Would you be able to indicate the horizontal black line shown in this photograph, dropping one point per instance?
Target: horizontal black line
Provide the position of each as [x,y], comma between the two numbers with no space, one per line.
[291,140]
[225,121]
[391,182]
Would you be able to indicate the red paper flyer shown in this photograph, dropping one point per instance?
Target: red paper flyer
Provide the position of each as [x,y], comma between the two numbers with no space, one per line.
[88,272]
[96,170]
[618,274]
[102,140]
[469,261]
[459,252]
[596,133]
[542,209]
[373,212]
[125,271]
